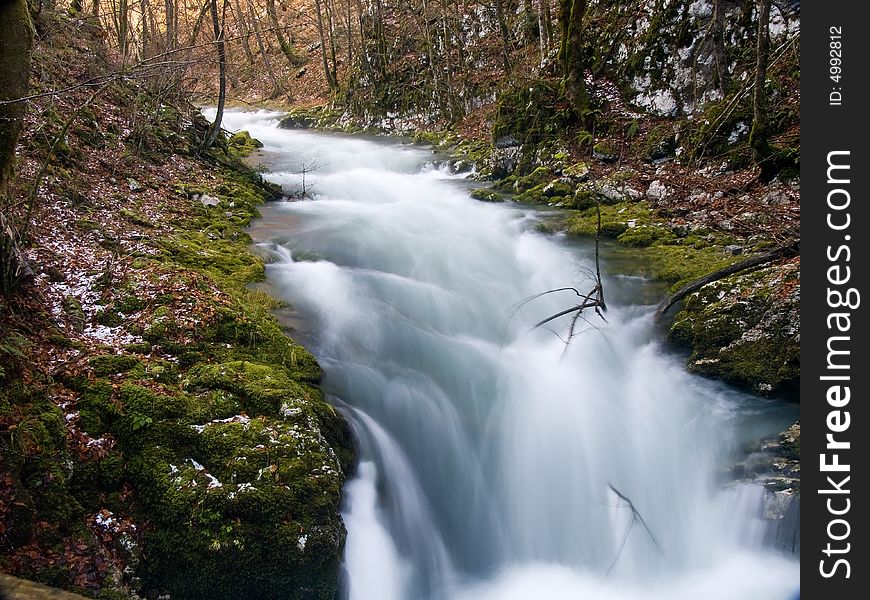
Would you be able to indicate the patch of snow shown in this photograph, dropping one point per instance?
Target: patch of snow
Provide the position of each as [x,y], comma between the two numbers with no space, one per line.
[701,9]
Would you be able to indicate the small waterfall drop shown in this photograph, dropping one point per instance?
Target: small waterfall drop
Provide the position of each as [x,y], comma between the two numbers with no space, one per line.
[489,453]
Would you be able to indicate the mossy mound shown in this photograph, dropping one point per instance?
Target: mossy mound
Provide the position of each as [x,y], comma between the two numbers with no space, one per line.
[241,144]
[746,330]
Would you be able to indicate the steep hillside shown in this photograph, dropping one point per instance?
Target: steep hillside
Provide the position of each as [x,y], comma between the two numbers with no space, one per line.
[159,432]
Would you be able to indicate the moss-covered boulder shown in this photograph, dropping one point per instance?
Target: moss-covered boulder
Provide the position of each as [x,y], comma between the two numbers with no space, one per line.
[237,480]
[745,329]
[250,510]
[241,144]
[487,195]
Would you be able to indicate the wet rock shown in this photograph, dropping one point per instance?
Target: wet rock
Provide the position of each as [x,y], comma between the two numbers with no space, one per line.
[461,166]
[507,141]
[504,159]
[745,329]
[774,463]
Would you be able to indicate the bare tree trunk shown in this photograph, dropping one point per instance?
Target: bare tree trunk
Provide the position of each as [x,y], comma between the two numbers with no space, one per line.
[244,30]
[222,73]
[349,31]
[571,54]
[758,135]
[286,47]
[327,72]
[505,36]
[547,25]
[123,21]
[277,87]
[329,6]
[171,25]
[719,46]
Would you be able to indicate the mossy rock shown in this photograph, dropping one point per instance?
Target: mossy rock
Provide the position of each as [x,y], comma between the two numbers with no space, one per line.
[486,195]
[745,329]
[253,513]
[539,177]
[645,235]
[113,364]
[262,389]
[241,144]
[578,171]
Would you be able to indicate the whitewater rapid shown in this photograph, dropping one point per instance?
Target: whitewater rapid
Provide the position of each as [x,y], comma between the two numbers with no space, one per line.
[489,454]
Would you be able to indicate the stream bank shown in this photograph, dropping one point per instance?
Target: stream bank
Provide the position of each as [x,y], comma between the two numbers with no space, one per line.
[161,432]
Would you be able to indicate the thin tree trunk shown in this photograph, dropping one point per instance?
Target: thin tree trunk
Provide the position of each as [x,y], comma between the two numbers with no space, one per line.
[244,30]
[505,36]
[171,25]
[327,72]
[719,46]
[758,135]
[277,87]
[286,47]
[547,19]
[349,32]
[222,74]
[329,6]
[571,54]
[123,27]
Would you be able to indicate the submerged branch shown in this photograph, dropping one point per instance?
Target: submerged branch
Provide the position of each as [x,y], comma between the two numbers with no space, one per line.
[594,299]
[636,517]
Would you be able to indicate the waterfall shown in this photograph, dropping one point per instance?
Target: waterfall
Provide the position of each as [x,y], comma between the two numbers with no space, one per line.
[490,452]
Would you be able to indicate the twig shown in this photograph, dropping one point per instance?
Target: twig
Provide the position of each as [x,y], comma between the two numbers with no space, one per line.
[636,517]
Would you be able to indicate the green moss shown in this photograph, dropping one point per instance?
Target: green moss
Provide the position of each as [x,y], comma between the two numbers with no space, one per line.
[108,317]
[136,218]
[646,235]
[140,400]
[486,195]
[262,389]
[744,330]
[537,178]
[98,412]
[35,459]
[241,144]
[576,171]
[111,364]
[138,348]
[74,312]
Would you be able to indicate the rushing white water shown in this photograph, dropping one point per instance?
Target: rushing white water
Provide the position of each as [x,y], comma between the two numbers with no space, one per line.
[489,452]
